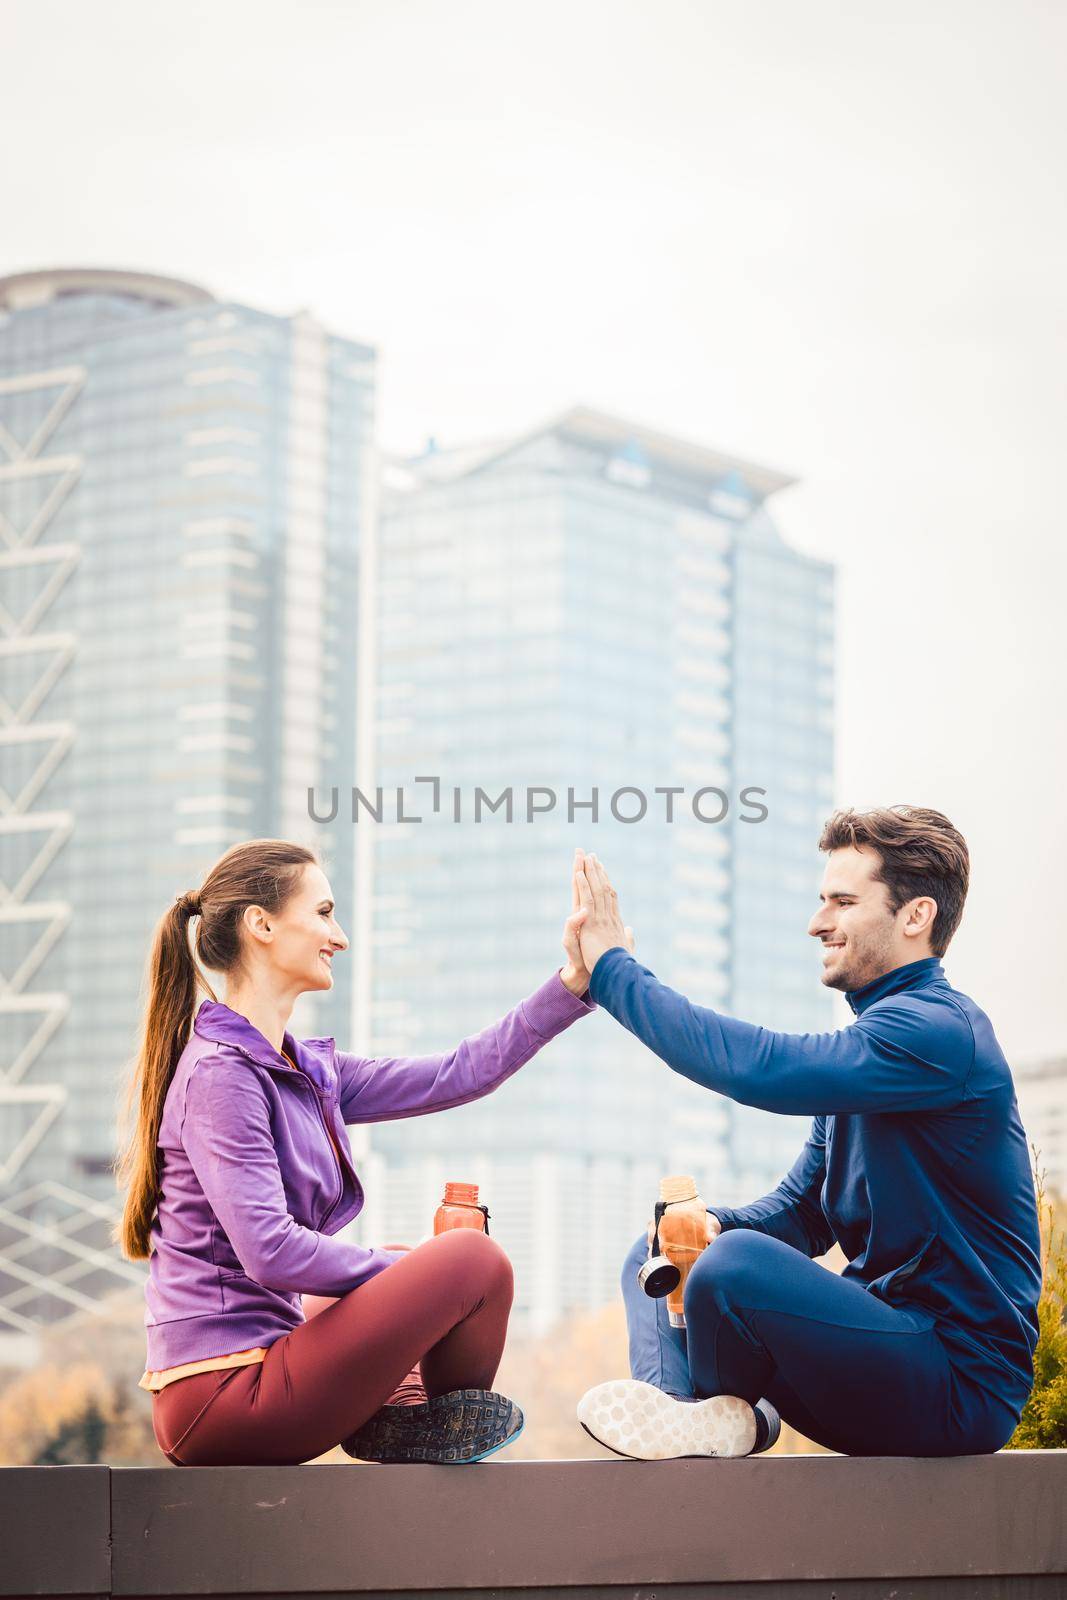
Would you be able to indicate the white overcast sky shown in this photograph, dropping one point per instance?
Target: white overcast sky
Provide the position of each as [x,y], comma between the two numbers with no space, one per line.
[829,236]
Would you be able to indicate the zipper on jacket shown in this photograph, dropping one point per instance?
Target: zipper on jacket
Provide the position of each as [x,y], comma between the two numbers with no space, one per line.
[320,1095]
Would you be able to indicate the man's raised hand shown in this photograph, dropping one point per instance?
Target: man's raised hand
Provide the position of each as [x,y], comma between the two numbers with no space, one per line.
[601,927]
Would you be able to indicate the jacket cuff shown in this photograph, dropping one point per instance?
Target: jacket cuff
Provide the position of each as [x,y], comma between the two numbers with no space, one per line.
[724,1215]
[605,969]
[552,1008]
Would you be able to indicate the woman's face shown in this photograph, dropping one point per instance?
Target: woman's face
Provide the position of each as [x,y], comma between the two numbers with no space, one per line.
[306,935]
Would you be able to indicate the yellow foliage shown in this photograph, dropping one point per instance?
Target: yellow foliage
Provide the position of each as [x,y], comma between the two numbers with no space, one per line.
[38,1405]
[87,1374]
[1043,1424]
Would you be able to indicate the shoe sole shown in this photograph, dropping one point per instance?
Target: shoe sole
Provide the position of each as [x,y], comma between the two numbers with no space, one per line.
[638,1420]
[449,1430]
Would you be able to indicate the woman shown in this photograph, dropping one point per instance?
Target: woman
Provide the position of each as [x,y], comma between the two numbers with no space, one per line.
[238,1175]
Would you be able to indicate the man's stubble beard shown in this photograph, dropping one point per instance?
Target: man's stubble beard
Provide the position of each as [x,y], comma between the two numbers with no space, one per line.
[869,962]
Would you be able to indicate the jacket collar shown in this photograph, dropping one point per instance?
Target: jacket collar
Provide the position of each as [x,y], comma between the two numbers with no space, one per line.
[217,1022]
[915,975]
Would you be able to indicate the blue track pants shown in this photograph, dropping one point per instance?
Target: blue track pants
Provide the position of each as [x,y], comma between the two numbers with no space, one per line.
[842,1367]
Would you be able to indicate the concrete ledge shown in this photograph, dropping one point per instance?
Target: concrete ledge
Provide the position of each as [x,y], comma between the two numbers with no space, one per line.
[979,1525]
[55,1530]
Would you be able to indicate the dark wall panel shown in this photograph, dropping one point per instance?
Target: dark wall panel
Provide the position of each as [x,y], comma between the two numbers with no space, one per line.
[316,1530]
[55,1525]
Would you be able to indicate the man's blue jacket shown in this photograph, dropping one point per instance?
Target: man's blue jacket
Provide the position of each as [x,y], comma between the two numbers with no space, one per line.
[917,1163]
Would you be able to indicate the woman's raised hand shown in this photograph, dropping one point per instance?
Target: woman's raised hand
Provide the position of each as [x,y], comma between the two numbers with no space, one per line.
[575,975]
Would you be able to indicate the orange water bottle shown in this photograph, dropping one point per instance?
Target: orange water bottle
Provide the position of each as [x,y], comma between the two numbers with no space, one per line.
[681,1222]
[460,1209]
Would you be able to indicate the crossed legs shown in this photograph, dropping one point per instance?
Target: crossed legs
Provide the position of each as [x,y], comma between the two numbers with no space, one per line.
[840,1365]
[443,1305]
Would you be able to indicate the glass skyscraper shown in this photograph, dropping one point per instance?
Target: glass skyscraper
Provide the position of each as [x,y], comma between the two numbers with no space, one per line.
[590,607]
[185,485]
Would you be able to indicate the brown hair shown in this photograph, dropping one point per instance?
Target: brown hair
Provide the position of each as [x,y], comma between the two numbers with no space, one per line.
[259,872]
[921,853]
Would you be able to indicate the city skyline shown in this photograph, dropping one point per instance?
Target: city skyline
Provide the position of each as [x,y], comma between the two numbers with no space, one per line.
[718,221]
[198,478]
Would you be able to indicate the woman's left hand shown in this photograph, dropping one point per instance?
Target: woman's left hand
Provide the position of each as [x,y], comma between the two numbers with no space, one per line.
[574,975]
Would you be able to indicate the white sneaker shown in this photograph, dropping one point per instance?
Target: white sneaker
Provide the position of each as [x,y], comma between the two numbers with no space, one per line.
[637,1419]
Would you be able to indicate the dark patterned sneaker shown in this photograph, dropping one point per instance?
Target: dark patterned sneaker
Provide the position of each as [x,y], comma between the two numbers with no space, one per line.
[453,1428]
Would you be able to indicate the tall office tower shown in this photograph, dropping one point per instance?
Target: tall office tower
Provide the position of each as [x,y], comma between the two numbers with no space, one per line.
[184,487]
[592,607]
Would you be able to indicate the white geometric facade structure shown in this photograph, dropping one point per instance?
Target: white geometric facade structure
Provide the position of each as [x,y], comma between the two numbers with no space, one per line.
[42,1226]
[184,488]
[57,1257]
[36,564]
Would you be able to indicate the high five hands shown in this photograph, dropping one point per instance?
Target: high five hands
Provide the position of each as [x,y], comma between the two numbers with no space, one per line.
[593,927]
[594,924]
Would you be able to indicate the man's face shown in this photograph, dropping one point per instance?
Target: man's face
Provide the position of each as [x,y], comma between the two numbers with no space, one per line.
[858,931]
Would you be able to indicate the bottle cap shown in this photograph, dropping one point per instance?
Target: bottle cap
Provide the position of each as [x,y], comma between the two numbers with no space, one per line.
[673,1190]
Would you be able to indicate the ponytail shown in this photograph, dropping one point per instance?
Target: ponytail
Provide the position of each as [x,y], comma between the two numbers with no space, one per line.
[261,872]
[172,978]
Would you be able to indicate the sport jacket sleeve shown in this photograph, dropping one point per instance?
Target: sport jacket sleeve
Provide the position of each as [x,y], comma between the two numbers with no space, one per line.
[793,1212]
[901,1055]
[379,1090]
[227,1137]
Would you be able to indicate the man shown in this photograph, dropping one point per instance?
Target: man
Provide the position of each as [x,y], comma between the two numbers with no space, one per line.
[916,1165]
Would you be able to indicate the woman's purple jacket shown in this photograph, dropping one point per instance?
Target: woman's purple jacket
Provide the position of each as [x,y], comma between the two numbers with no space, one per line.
[251,1186]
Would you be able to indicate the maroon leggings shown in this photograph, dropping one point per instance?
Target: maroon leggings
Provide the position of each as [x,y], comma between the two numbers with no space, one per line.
[442,1309]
